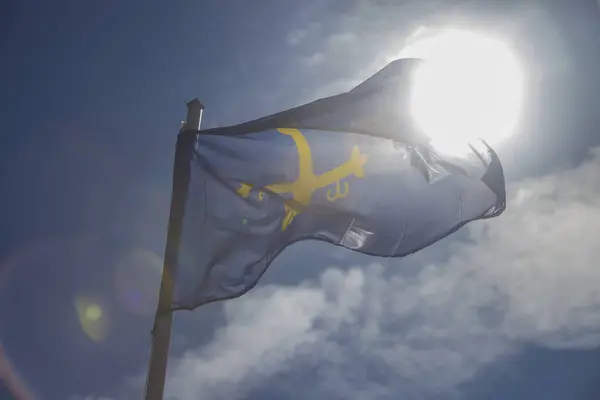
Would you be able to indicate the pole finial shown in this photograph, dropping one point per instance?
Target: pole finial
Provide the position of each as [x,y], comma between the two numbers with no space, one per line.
[194,115]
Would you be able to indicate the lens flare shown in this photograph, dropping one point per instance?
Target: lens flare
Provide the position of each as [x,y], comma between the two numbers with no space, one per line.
[92,318]
[138,279]
[93,312]
[12,379]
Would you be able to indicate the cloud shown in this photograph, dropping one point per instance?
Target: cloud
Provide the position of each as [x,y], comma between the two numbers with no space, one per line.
[298,36]
[335,51]
[334,54]
[530,276]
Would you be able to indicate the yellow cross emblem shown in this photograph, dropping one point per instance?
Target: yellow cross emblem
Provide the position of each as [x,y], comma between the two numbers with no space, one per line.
[308,182]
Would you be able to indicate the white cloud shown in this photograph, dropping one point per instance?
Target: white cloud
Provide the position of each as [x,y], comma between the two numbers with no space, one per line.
[297,37]
[360,41]
[314,60]
[530,276]
[335,54]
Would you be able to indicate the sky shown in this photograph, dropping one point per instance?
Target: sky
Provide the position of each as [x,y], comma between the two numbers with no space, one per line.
[92,97]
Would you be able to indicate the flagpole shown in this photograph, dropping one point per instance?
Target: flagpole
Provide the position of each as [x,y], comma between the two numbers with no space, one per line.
[161,333]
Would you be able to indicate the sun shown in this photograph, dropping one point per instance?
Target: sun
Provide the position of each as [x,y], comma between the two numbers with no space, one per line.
[471,86]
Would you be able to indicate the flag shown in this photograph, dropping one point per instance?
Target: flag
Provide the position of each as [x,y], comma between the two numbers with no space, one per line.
[350,170]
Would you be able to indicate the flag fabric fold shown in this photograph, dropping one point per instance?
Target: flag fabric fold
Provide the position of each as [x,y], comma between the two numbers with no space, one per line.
[350,170]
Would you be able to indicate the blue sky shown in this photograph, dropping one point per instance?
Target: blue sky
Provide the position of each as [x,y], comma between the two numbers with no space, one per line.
[91,100]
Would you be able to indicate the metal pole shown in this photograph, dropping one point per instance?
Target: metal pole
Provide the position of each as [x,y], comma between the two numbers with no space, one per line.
[161,333]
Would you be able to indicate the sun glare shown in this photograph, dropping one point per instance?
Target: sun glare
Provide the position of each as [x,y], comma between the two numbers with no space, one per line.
[470,86]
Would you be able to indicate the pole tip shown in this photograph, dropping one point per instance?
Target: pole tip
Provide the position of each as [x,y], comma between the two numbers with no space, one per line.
[195,103]
[194,115]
